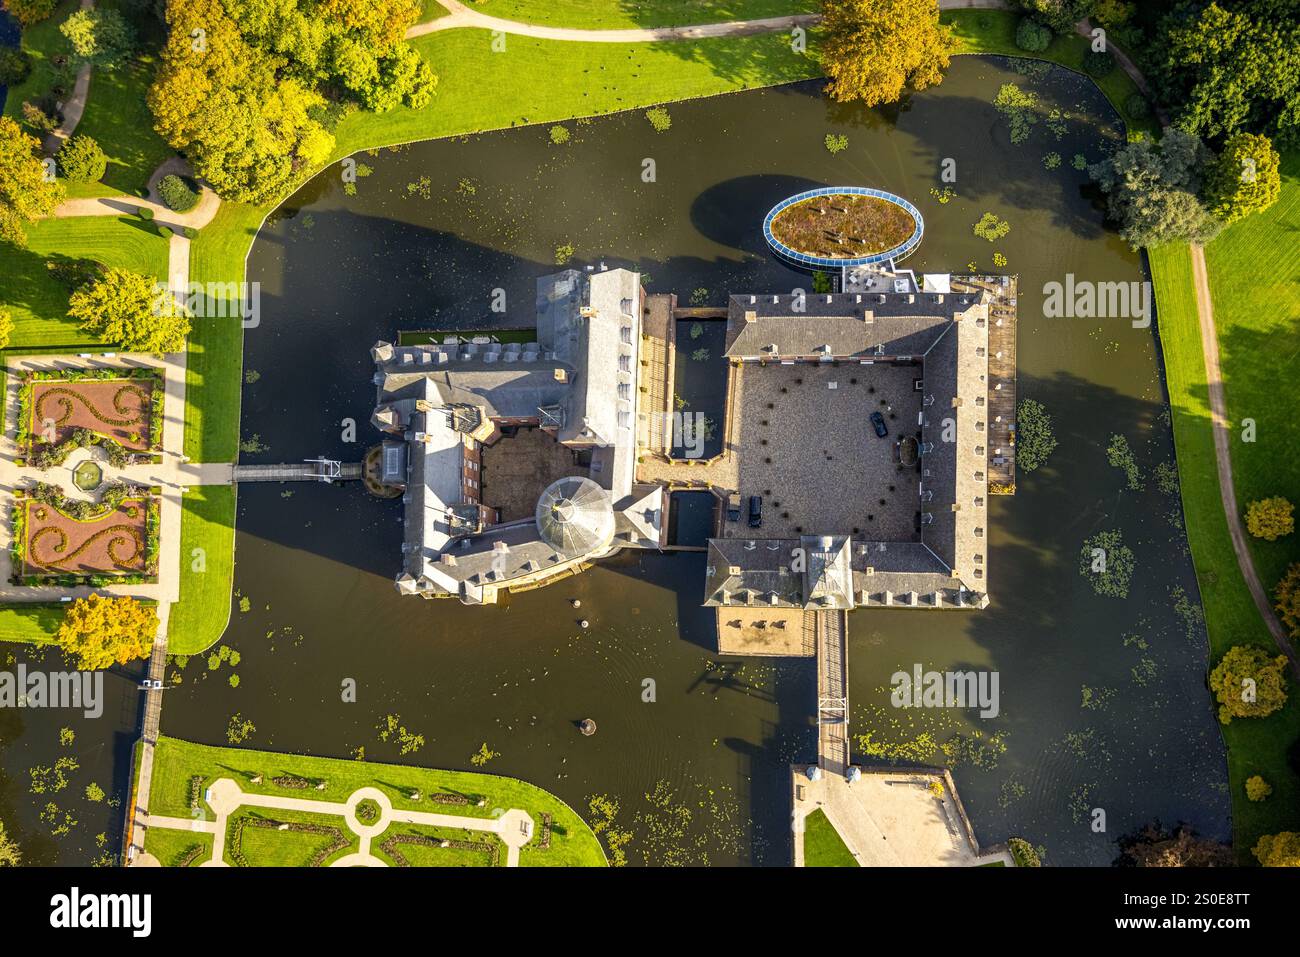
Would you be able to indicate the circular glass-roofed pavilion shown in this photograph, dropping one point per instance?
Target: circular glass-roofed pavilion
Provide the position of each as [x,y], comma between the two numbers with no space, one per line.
[838,227]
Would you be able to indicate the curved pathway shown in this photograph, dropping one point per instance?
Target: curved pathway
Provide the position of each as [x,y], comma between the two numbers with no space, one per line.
[1223,456]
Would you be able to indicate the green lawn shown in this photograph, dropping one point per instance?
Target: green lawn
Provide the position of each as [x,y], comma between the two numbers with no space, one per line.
[1254,270]
[41,41]
[171,847]
[270,847]
[1258,746]
[419,855]
[207,524]
[39,303]
[118,118]
[621,14]
[822,844]
[175,762]
[31,624]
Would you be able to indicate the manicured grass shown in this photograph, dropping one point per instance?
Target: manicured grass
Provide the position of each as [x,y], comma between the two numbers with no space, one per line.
[33,624]
[207,568]
[1254,270]
[270,847]
[41,41]
[118,119]
[1254,746]
[994,31]
[622,14]
[170,847]
[419,855]
[38,302]
[175,761]
[822,844]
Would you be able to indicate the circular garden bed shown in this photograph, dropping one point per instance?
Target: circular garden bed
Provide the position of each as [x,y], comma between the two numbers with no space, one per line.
[843,226]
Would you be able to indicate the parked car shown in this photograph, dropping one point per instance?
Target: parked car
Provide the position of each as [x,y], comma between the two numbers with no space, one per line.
[878,422]
[733,507]
[755,511]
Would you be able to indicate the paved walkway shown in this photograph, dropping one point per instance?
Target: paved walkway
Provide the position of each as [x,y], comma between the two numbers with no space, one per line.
[225,797]
[890,818]
[1223,432]
[74,107]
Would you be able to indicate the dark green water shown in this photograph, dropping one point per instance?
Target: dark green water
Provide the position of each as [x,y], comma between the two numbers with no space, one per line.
[339,272]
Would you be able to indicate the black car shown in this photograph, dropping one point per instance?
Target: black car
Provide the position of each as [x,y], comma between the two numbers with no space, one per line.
[755,511]
[878,421]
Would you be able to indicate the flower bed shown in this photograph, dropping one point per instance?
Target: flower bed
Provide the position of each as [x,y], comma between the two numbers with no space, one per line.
[67,542]
[119,409]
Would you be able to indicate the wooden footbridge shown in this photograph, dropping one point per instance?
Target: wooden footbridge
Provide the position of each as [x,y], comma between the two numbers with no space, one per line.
[312,470]
[832,691]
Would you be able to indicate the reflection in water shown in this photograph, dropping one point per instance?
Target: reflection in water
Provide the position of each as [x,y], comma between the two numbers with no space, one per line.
[1102,699]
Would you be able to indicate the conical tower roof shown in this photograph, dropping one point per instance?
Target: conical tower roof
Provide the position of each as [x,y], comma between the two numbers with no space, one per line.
[575,516]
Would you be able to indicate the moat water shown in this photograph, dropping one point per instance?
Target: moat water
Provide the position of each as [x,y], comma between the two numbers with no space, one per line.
[702,771]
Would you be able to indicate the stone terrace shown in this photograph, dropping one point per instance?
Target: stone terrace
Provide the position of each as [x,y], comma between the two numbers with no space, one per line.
[828,469]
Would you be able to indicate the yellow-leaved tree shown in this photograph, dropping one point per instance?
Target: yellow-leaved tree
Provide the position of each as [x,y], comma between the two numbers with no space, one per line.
[872,50]
[100,632]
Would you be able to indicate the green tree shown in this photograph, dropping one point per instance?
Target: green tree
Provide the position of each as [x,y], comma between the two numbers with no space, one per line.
[25,193]
[1279,850]
[1060,15]
[81,160]
[1245,179]
[100,632]
[874,50]
[99,36]
[28,12]
[1032,36]
[1232,67]
[1270,518]
[1248,683]
[1151,192]
[131,310]
[15,66]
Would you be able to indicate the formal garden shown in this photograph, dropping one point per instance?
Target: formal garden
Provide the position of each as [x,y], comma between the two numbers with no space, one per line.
[70,542]
[117,410]
[184,772]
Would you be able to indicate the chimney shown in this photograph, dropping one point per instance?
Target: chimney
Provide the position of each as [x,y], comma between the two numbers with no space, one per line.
[868,316]
[751,315]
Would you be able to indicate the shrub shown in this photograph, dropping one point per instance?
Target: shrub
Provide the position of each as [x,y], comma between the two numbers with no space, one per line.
[1270,518]
[1024,853]
[1032,36]
[559,134]
[1098,63]
[41,117]
[165,232]
[1137,107]
[82,161]
[1248,683]
[1287,594]
[177,193]
[1257,789]
[15,66]
[144,212]
[6,327]
[190,232]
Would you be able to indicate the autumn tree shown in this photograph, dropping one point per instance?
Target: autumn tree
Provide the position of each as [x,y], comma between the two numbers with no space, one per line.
[1279,850]
[132,310]
[100,37]
[1060,15]
[1257,789]
[1248,683]
[1287,596]
[1245,179]
[27,12]
[873,50]
[6,326]
[1270,518]
[99,632]
[25,192]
